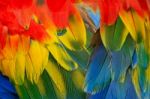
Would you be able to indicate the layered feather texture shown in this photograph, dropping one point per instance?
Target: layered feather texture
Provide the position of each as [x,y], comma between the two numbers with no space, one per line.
[64,50]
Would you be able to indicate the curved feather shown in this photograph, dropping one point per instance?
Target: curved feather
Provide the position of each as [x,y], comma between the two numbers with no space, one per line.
[99,65]
[122,90]
[62,57]
[134,23]
[36,59]
[57,78]
[7,91]
[122,59]
[68,39]
[114,36]
[77,28]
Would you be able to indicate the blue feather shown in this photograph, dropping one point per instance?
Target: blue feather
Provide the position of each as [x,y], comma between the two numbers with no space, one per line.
[117,90]
[5,83]
[100,95]
[134,59]
[7,91]
[122,90]
[8,96]
[95,16]
[98,74]
[121,60]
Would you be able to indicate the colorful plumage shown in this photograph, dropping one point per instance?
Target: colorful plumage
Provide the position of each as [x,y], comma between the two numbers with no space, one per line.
[74,49]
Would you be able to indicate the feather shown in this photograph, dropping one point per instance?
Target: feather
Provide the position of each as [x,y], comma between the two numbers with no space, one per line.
[49,86]
[109,10]
[60,9]
[8,96]
[62,57]
[77,56]
[22,92]
[135,80]
[134,23]
[147,35]
[57,78]
[35,55]
[121,60]
[20,67]
[78,79]
[134,59]
[32,90]
[6,85]
[19,5]
[77,28]
[99,65]
[101,94]
[67,39]
[7,90]
[73,90]
[122,90]
[114,36]
[89,18]
[142,56]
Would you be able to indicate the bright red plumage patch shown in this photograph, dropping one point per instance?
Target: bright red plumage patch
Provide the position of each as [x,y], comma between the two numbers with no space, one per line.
[4,4]
[36,31]
[3,35]
[128,4]
[109,10]
[21,3]
[56,5]
[8,19]
[145,5]
[60,11]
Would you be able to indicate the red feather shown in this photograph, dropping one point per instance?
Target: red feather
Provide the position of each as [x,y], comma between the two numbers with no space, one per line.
[36,31]
[8,19]
[60,11]
[109,10]
[128,4]
[145,5]
[19,4]
[3,35]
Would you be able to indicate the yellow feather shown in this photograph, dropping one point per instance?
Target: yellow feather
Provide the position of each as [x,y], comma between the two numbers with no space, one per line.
[45,56]
[78,79]
[77,28]
[134,23]
[147,37]
[69,40]
[5,67]
[9,69]
[36,59]
[135,81]
[62,57]
[57,78]
[20,67]
[29,68]
[41,87]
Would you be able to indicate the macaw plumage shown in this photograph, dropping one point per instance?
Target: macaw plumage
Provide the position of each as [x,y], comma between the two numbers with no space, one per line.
[74,49]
